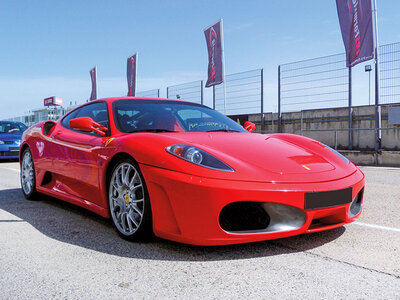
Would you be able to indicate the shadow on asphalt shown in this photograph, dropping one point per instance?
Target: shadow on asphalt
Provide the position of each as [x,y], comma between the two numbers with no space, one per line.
[71,224]
[7,160]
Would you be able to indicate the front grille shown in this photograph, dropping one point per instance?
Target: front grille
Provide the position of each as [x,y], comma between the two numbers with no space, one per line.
[243,216]
[8,153]
[317,200]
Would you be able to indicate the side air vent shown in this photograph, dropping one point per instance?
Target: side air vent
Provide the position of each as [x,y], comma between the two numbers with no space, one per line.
[46,178]
[48,127]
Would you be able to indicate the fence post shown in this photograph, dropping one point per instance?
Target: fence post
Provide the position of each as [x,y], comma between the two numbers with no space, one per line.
[279,100]
[167,93]
[213,96]
[158,93]
[350,114]
[262,102]
[335,139]
[301,123]
[201,87]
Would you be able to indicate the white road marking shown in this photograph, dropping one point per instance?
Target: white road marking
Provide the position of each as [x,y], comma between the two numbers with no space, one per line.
[377,226]
[12,169]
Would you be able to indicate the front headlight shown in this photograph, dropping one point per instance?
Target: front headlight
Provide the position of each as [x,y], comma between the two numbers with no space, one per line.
[337,153]
[18,142]
[198,157]
[1,142]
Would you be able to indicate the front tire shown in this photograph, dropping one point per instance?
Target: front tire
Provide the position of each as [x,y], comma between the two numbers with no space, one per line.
[28,175]
[129,201]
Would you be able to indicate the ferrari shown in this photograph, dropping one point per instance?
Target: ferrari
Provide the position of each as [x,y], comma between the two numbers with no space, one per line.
[187,173]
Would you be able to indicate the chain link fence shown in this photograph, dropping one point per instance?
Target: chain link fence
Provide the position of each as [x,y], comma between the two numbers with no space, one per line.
[243,95]
[150,93]
[321,82]
[191,91]
[389,73]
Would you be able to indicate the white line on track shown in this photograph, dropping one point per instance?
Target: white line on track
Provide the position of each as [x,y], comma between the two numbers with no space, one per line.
[12,169]
[377,226]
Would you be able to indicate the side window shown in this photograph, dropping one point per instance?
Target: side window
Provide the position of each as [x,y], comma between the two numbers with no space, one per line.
[97,111]
[65,121]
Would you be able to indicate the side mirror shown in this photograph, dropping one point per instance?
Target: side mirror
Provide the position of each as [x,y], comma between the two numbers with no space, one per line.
[249,126]
[87,124]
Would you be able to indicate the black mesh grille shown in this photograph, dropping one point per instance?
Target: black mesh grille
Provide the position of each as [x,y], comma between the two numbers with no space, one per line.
[8,153]
[243,216]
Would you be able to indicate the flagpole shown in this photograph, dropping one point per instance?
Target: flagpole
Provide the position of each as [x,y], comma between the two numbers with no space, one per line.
[377,107]
[95,76]
[136,69]
[223,62]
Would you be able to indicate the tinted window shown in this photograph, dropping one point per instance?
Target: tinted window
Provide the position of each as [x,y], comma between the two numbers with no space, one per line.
[97,111]
[162,115]
[12,127]
[67,118]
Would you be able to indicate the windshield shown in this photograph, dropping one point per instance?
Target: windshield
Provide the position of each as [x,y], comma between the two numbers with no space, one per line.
[169,116]
[12,127]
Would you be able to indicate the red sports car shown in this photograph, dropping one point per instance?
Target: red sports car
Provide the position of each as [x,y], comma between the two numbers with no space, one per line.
[188,173]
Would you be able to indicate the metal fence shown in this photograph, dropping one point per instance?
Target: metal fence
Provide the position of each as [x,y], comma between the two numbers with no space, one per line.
[321,82]
[389,73]
[191,91]
[244,93]
[150,93]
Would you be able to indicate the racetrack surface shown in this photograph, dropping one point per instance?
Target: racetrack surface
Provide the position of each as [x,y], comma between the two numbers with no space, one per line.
[49,248]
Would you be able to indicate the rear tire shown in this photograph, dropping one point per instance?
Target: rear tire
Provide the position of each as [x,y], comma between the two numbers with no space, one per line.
[28,176]
[129,201]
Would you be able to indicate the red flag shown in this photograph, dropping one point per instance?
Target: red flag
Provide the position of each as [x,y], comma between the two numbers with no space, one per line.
[355,18]
[131,74]
[93,75]
[213,36]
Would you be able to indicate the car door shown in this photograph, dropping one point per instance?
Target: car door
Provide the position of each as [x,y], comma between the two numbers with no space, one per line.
[79,154]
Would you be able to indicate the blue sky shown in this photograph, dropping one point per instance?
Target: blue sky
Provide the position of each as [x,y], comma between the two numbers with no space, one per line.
[48,47]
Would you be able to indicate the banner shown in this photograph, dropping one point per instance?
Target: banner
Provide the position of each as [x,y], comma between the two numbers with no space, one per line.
[355,18]
[131,74]
[93,95]
[214,47]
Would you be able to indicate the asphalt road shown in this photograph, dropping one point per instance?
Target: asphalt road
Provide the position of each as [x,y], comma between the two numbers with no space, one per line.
[49,248]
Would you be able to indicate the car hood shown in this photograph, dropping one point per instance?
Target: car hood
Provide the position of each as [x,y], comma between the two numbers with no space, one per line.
[254,157]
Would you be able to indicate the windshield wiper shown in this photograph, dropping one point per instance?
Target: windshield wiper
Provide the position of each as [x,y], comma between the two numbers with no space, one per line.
[222,130]
[151,130]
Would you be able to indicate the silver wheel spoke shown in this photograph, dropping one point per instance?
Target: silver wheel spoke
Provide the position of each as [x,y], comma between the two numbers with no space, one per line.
[132,218]
[126,177]
[134,177]
[136,209]
[137,200]
[135,188]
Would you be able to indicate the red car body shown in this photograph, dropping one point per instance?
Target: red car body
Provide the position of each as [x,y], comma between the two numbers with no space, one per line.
[289,176]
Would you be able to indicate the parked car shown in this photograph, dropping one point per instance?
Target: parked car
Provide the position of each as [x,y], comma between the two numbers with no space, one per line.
[10,139]
[188,173]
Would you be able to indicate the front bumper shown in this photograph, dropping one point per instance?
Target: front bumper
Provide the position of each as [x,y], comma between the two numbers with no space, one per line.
[10,151]
[187,208]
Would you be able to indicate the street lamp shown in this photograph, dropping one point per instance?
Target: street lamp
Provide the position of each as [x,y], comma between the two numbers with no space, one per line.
[368,69]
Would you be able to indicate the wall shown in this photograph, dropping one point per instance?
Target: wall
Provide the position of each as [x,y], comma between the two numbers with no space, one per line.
[330,126]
